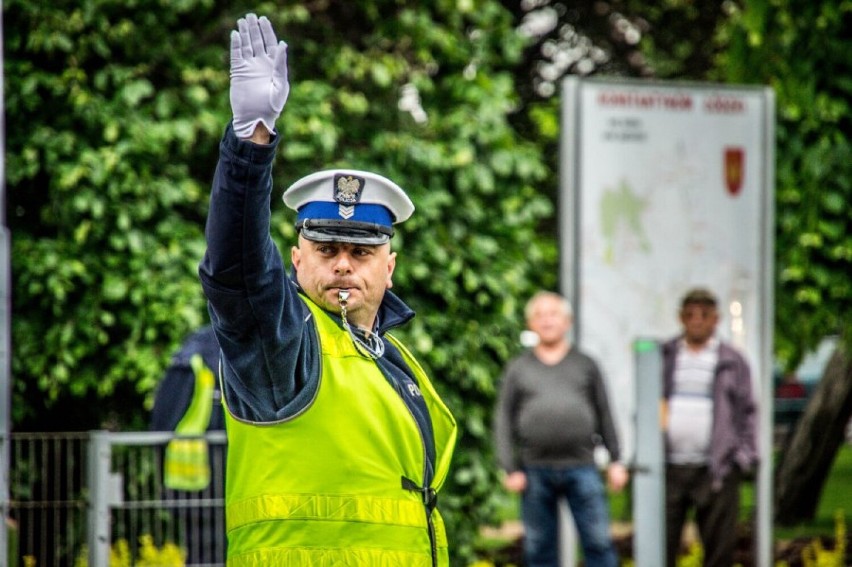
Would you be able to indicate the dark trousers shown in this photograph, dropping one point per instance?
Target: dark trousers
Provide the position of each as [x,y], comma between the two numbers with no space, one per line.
[583,487]
[715,512]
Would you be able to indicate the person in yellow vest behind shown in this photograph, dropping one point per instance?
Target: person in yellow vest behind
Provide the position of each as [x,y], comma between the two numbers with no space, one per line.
[188,402]
[338,442]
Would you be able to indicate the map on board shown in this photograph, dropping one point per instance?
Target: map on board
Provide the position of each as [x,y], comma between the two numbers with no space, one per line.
[621,211]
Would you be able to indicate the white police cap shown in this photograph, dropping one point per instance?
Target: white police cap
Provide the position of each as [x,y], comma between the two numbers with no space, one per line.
[345,205]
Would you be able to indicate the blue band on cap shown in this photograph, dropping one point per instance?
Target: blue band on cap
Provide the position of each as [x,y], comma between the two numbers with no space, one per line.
[362,212]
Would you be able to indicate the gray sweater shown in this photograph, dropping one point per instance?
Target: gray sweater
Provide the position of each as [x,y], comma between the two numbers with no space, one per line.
[552,415]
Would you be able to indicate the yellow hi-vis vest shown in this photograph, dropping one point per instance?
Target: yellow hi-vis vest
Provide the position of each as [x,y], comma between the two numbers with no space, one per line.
[325,487]
[186,464]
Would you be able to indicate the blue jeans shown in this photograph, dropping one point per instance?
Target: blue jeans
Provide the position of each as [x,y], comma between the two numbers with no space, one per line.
[584,489]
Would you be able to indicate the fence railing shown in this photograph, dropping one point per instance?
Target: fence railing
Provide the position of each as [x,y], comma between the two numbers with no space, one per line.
[98,498]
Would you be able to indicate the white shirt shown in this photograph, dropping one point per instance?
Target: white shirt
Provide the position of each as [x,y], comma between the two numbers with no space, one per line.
[691,404]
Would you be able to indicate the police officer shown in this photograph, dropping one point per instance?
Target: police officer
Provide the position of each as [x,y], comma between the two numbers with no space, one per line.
[338,442]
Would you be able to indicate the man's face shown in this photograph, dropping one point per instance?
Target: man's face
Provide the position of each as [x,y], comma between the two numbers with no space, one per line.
[324,268]
[549,320]
[699,323]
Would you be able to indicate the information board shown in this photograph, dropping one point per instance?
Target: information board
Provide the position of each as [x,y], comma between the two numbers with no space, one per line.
[665,187]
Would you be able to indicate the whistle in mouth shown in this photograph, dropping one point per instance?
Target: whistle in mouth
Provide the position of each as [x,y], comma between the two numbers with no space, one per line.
[342,295]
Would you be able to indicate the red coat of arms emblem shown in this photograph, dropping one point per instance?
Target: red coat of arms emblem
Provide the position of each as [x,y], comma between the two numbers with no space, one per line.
[734,169]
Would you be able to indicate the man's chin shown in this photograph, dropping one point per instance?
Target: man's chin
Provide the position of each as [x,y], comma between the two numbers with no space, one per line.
[327,300]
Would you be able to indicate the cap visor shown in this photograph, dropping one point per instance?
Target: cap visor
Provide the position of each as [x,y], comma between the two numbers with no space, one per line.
[348,236]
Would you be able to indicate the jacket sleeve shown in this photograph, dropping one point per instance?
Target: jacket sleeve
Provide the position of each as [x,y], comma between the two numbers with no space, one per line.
[745,410]
[176,389]
[173,397]
[268,367]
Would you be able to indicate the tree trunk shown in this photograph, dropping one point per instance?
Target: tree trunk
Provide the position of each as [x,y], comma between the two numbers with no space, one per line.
[804,464]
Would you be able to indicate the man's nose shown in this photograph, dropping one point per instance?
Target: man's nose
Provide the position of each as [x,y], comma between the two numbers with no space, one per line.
[342,263]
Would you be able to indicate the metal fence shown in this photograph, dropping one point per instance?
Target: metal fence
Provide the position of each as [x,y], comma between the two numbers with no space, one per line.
[98,499]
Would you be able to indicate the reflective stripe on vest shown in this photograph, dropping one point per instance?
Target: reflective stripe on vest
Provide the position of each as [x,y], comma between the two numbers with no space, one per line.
[323,487]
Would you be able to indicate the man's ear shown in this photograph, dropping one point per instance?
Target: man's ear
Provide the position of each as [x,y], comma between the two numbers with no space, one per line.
[391,266]
[295,256]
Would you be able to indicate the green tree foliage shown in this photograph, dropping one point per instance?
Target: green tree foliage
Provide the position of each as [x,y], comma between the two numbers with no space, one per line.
[801,49]
[114,113]
[677,36]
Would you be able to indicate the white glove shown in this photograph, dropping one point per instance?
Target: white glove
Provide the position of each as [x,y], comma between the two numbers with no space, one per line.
[259,86]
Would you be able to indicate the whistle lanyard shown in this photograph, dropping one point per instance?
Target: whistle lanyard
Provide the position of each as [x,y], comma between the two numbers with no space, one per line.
[367,344]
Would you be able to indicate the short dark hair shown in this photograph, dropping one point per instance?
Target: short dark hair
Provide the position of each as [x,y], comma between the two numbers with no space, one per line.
[698,296]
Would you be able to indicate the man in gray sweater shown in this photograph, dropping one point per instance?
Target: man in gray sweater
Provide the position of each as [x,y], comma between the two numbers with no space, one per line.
[551,412]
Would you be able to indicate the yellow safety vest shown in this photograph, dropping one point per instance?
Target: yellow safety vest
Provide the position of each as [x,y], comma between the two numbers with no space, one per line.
[326,487]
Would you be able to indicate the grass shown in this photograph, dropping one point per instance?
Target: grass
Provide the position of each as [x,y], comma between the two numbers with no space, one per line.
[836,495]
